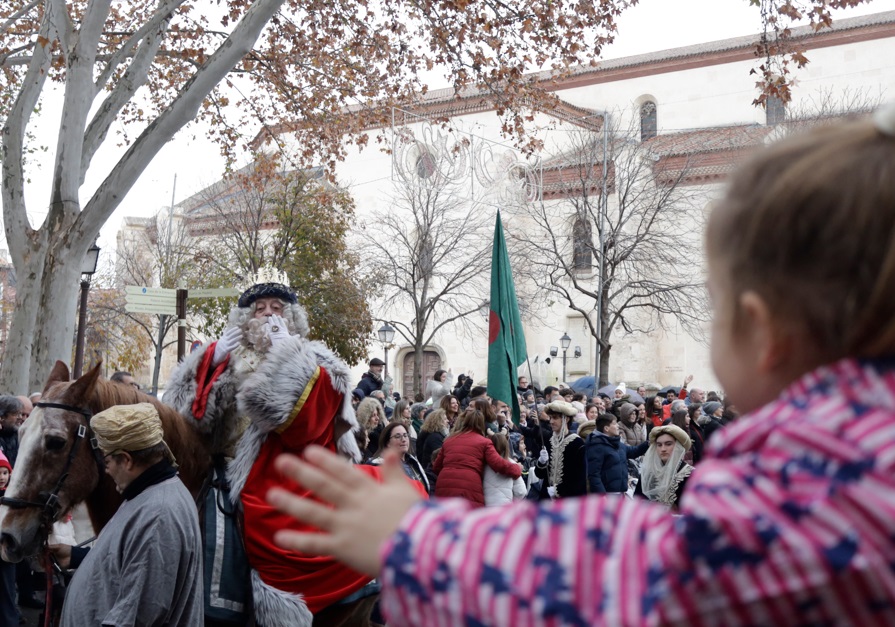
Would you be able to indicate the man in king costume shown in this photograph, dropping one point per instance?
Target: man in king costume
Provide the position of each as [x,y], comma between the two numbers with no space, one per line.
[269,390]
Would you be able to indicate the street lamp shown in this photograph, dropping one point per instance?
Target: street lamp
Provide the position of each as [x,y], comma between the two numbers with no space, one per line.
[88,268]
[386,335]
[565,341]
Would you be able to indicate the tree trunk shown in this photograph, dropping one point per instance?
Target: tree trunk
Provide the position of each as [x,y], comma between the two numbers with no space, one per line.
[418,369]
[14,371]
[48,260]
[55,316]
[604,366]
[159,349]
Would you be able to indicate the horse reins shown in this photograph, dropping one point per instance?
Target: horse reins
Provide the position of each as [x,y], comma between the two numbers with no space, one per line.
[50,507]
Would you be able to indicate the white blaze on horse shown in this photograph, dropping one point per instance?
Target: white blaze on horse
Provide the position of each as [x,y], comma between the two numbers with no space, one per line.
[58,465]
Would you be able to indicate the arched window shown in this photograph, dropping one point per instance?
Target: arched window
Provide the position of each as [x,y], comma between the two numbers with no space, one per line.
[775,110]
[582,246]
[649,123]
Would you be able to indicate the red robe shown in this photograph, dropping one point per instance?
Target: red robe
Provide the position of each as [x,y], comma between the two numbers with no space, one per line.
[322,581]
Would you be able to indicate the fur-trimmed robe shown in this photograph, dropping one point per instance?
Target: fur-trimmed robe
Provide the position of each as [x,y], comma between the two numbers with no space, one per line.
[299,395]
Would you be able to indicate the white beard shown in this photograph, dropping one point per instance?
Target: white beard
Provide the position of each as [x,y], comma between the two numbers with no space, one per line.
[256,335]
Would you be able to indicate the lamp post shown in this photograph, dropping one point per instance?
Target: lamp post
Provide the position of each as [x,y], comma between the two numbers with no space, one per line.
[386,335]
[88,268]
[565,341]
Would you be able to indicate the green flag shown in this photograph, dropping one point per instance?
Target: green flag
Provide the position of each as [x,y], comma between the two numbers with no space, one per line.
[506,341]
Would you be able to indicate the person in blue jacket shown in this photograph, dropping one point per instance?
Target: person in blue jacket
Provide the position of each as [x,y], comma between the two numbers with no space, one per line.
[607,457]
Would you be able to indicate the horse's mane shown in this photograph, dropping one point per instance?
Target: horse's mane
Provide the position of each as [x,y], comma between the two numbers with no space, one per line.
[189,448]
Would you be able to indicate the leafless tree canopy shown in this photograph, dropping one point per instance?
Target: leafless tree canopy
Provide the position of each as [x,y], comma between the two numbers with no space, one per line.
[428,257]
[635,258]
[160,255]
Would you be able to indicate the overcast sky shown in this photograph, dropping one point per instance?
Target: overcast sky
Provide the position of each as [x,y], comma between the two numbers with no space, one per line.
[652,25]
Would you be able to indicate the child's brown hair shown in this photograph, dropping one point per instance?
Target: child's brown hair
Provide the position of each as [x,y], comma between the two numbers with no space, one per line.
[809,224]
[501,444]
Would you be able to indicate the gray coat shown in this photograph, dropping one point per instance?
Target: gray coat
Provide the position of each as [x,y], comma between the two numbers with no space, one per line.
[146,565]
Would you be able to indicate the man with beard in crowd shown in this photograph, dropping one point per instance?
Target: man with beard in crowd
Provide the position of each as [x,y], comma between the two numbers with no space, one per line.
[265,388]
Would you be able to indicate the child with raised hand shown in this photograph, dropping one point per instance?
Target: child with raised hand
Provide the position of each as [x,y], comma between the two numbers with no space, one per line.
[790,517]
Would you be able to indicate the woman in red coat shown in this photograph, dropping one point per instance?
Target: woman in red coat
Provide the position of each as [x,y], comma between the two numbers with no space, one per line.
[461,461]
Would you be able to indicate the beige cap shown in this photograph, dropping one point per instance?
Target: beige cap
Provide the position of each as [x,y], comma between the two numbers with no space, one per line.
[129,428]
[674,431]
[562,407]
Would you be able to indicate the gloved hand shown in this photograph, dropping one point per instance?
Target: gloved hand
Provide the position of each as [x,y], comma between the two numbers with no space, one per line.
[230,339]
[551,491]
[278,330]
[543,458]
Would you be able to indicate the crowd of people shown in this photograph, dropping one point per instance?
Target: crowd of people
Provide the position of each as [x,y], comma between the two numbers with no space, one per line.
[666,511]
[786,517]
[459,442]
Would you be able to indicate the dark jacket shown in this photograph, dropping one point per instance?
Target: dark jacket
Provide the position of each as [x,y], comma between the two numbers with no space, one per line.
[461,463]
[711,426]
[373,445]
[426,444]
[9,444]
[461,392]
[412,468]
[698,438]
[368,384]
[574,474]
[607,462]
[536,434]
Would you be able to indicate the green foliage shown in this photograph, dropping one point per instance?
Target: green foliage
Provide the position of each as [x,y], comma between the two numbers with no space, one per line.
[297,222]
[315,221]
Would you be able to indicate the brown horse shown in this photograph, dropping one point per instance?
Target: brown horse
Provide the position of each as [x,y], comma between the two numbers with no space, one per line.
[46,442]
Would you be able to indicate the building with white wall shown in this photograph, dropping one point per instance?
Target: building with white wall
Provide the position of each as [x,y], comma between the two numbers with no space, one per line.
[693,104]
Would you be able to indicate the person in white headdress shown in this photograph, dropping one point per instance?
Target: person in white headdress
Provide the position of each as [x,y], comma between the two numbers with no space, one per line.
[664,472]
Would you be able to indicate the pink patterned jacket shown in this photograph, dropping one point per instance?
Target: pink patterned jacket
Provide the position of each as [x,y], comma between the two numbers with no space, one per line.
[789,520]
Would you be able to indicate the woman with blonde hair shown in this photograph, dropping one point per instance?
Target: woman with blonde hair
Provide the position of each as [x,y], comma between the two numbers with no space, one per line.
[371,416]
[432,434]
[431,437]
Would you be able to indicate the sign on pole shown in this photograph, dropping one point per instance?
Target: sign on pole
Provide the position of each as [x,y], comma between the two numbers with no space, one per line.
[158,292]
[222,292]
[150,308]
[151,300]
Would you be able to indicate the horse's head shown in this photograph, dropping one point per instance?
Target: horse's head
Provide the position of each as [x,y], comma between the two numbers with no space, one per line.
[55,457]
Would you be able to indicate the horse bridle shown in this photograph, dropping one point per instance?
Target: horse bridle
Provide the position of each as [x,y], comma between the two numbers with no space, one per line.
[50,507]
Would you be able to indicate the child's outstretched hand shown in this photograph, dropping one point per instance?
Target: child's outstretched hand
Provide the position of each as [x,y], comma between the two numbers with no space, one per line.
[363,515]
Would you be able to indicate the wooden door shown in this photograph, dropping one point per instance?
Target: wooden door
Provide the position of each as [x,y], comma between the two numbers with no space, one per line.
[431,363]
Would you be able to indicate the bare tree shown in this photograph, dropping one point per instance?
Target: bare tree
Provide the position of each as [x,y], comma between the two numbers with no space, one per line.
[428,256]
[624,260]
[102,67]
[160,254]
[826,106]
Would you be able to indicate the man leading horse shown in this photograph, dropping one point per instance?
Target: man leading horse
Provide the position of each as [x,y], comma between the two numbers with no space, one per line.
[262,389]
